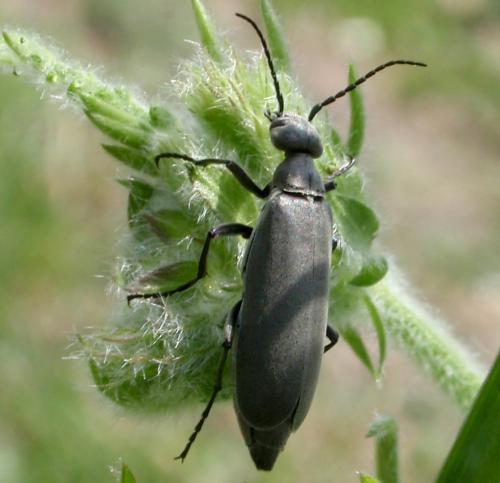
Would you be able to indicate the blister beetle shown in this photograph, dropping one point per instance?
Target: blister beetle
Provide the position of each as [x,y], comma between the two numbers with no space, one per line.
[278,327]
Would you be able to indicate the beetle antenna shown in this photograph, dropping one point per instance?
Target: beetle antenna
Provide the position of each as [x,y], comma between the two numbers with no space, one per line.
[359,81]
[269,61]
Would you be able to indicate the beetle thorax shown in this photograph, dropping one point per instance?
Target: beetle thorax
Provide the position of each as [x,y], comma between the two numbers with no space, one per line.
[297,174]
[294,134]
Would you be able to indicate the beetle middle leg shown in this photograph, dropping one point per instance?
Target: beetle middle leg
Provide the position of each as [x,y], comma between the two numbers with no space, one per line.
[226,229]
[333,336]
[238,172]
[335,242]
[226,345]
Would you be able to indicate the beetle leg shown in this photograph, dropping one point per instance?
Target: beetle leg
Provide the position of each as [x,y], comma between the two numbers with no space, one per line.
[335,242]
[333,335]
[238,172]
[330,181]
[226,229]
[226,345]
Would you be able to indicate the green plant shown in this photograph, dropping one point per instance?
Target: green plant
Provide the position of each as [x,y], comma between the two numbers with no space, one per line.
[161,355]
[474,454]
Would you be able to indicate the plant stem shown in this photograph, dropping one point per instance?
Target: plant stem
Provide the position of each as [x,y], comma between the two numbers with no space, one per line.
[429,342]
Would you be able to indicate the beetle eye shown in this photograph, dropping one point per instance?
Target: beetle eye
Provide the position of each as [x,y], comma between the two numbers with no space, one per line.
[272,116]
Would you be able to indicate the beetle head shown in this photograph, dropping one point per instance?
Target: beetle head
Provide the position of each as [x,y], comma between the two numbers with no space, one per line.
[293,133]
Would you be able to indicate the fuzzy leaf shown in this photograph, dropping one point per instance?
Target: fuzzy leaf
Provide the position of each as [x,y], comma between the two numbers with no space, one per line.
[170,224]
[161,117]
[106,109]
[275,37]
[359,224]
[353,338]
[13,45]
[385,431]
[208,34]
[379,329]
[127,392]
[357,127]
[133,158]
[336,139]
[135,137]
[140,192]
[165,278]
[373,270]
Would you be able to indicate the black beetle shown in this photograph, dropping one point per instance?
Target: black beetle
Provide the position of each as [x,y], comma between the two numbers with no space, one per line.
[278,327]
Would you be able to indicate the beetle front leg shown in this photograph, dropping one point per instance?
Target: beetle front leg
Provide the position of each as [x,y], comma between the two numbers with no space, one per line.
[333,336]
[226,229]
[330,181]
[238,172]
[226,345]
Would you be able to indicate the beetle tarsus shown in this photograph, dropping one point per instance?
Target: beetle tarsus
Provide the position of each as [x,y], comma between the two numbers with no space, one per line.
[206,412]
[226,345]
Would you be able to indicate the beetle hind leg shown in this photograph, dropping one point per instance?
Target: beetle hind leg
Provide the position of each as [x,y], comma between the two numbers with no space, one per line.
[226,345]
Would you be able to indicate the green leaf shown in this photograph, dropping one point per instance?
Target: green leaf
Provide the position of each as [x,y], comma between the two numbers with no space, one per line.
[127,392]
[103,108]
[475,455]
[373,270]
[353,338]
[336,139]
[170,224]
[132,158]
[140,192]
[357,127]
[161,117]
[129,135]
[13,45]
[127,476]
[165,278]
[364,478]
[379,329]
[359,224]
[208,33]
[275,37]
[385,431]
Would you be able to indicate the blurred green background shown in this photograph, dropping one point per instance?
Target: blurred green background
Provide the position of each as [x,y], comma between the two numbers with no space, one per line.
[431,159]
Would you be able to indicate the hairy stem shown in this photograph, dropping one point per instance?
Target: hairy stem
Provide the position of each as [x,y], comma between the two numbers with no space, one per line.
[429,342]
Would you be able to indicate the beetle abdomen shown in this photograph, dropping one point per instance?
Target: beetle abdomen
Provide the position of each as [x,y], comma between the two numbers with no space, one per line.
[282,321]
[265,446]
